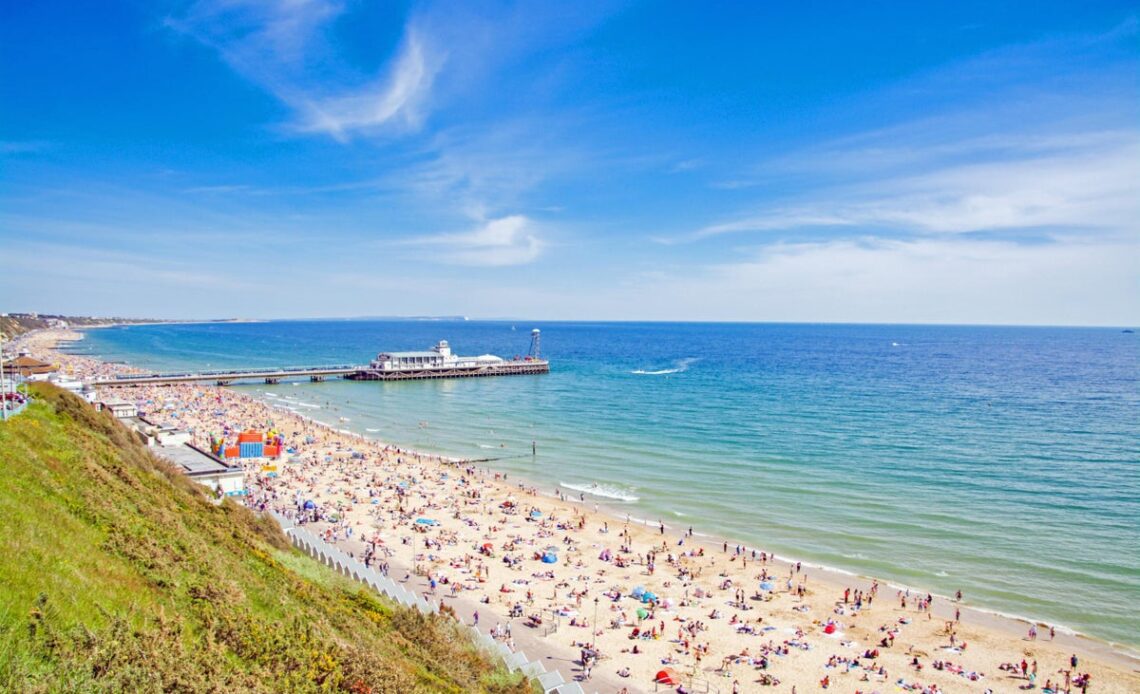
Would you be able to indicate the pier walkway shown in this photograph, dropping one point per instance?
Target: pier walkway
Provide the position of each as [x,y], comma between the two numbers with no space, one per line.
[223,378]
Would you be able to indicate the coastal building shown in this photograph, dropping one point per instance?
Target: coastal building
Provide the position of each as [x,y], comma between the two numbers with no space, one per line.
[26,366]
[120,409]
[204,468]
[440,362]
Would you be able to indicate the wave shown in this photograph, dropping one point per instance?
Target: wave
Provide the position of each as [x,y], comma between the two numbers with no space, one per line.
[679,366]
[487,446]
[602,491]
[372,430]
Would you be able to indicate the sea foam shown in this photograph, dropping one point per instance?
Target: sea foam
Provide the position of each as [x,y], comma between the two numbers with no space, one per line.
[602,491]
[679,366]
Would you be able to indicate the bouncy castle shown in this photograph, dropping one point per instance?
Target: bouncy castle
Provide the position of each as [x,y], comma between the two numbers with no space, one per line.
[250,444]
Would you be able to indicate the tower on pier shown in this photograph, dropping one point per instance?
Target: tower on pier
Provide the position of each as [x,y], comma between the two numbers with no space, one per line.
[535,340]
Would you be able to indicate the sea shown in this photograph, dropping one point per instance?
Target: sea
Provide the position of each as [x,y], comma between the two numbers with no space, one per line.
[1000,461]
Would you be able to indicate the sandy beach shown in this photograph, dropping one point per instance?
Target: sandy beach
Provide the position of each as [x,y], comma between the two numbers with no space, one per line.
[533,565]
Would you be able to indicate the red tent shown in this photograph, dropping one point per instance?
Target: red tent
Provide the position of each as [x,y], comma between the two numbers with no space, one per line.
[667,676]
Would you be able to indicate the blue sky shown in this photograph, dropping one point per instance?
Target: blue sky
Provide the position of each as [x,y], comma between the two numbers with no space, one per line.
[896,162]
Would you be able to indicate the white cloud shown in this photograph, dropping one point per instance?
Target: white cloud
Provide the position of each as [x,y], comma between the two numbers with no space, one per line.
[396,99]
[495,243]
[1092,184]
[283,48]
[927,280]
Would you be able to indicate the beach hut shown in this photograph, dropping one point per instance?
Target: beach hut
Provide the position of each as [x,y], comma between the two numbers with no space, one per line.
[667,676]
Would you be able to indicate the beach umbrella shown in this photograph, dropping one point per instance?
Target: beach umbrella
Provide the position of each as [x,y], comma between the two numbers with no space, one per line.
[667,676]
[765,585]
[829,629]
[642,613]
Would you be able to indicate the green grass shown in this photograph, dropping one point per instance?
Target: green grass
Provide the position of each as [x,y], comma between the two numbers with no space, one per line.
[119,574]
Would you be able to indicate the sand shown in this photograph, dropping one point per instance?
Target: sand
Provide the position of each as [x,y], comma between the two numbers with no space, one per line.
[711,623]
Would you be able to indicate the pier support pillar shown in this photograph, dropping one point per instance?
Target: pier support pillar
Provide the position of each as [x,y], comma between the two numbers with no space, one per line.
[272,381]
[317,379]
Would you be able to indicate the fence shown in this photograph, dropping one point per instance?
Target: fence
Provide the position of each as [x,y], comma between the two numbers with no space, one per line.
[349,567]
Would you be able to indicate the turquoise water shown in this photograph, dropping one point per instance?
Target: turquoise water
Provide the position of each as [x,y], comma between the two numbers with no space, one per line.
[1004,462]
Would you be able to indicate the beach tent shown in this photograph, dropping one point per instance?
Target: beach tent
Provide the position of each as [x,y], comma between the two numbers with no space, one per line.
[425,521]
[667,676]
[638,592]
[830,628]
[549,558]
[648,597]
[642,613]
[310,505]
[765,585]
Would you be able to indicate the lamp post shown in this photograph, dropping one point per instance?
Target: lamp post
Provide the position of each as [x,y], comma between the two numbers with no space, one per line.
[593,637]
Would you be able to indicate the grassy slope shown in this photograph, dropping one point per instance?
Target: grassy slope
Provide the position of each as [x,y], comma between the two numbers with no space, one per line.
[119,575]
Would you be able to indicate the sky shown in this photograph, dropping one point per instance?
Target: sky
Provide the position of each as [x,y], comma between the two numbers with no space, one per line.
[958,162]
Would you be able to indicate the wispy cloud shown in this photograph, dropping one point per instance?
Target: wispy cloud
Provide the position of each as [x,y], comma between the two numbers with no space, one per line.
[1083,181]
[942,279]
[494,243]
[283,48]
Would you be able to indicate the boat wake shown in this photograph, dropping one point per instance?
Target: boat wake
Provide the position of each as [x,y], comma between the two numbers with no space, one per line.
[602,491]
[679,366]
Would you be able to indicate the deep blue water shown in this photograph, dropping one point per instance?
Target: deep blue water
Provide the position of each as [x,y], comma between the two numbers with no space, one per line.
[1001,461]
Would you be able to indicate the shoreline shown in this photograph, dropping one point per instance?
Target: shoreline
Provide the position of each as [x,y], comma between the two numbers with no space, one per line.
[1013,624]
[834,579]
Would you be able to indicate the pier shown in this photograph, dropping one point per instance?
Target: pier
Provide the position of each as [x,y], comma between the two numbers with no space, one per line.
[507,368]
[225,378]
[438,362]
